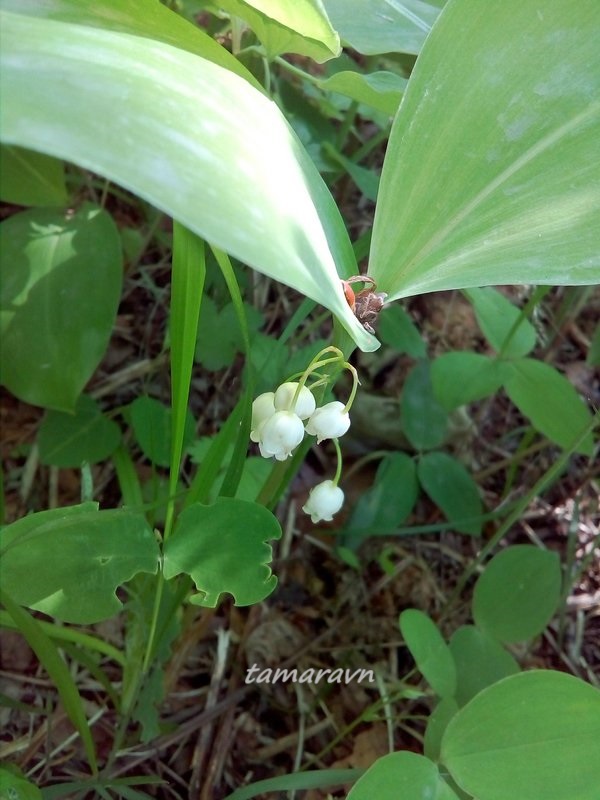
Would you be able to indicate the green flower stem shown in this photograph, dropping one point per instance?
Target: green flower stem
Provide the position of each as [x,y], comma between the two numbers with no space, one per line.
[338,471]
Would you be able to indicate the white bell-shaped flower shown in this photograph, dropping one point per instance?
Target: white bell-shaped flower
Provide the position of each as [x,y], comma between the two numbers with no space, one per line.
[280,434]
[329,421]
[304,405]
[263,409]
[324,500]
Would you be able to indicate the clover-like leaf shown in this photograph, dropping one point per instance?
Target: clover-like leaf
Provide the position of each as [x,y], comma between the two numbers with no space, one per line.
[224,548]
[68,562]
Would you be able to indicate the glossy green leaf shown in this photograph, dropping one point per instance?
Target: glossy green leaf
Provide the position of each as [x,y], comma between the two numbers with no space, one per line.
[459,378]
[534,735]
[451,487]
[31,179]
[397,330]
[550,402]
[383,26]
[391,498]
[190,137]
[224,549]
[67,440]
[60,283]
[436,725]
[480,661]
[152,20]
[288,26]
[424,421]
[403,774]
[79,557]
[429,650]
[151,422]
[518,593]
[490,175]
[498,318]
[381,90]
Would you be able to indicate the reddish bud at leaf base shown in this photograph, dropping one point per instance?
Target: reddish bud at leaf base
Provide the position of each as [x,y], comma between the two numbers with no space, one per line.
[280,435]
[304,405]
[324,500]
[329,421]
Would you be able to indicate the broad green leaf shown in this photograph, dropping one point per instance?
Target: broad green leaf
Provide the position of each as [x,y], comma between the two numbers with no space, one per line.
[403,775]
[31,179]
[146,18]
[518,593]
[534,735]
[288,26]
[78,557]
[480,661]
[67,440]
[397,330]
[459,378]
[366,179]
[550,402]
[451,487]
[381,90]
[192,138]
[429,650]
[390,499]
[424,421]
[223,547]
[491,171]
[436,725]
[60,283]
[151,422]
[217,351]
[383,26]
[498,318]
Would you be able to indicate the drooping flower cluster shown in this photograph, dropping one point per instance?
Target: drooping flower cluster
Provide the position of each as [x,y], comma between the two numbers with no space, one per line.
[280,420]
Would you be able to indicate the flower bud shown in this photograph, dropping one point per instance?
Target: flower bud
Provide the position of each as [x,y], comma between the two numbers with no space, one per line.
[324,500]
[304,405]
[262,409]
[329,421]
[280,434]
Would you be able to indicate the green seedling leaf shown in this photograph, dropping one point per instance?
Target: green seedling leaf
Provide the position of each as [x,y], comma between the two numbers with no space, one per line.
[139,18]
[79,557]
[381,90]
[67,440]
[429,650]
[529,582]
[261,199]
[424,421]
[462,377]
[223,547]
[366,180]
[436,725]
[31,179]
[550,402]
[297,26]
[451,487]
[497,318]
[391,498]
[60,283]
[397,330]
[480,661]
[383,26]
[151,422]
[529,736]
[404,774]
[219,337]
[513,146]
[17,787]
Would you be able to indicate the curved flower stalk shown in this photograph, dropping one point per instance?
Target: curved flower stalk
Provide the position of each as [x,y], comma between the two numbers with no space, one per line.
[280,419]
